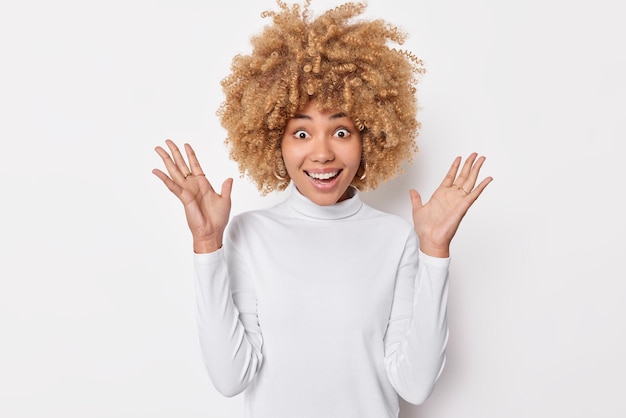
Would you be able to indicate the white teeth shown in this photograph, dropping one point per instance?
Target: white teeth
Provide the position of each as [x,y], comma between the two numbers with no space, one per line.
[323,176]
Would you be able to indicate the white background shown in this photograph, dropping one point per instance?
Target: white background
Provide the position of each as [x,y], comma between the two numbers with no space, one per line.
[96,291]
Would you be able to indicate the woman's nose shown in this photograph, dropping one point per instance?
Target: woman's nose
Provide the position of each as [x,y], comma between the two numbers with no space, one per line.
[321,150]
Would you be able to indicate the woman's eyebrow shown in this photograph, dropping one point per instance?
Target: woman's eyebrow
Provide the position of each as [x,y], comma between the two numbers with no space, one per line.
[304,116]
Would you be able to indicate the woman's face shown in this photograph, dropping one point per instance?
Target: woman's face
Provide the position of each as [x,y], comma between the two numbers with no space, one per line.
[322,153]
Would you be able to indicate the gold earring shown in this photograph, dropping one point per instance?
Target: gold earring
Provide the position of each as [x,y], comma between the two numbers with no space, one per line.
[362,169]
[280,172]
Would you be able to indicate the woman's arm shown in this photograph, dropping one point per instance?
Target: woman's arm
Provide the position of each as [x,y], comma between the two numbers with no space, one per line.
[230,338]
[417,333]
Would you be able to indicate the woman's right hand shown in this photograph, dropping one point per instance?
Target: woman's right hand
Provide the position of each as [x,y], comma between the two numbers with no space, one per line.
[207,212]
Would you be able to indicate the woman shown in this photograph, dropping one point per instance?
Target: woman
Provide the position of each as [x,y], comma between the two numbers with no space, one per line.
[321,306]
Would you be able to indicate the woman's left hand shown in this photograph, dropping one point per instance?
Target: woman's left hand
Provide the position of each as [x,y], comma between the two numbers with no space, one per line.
[437,221]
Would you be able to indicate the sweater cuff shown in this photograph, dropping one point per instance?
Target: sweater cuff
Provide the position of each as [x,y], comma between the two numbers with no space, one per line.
[208,259]
[434,261]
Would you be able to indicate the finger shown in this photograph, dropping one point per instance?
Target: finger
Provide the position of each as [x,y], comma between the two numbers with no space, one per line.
[169,183]
[227,187]
[194,164]
[465,172]
[448,180]
[416,199]
[481,186]
[170,165]
[476,192]
[196,169]
[470,181]
[178,158]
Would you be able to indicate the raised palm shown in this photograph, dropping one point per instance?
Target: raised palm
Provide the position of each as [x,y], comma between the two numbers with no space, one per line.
[207,211]
[437,221]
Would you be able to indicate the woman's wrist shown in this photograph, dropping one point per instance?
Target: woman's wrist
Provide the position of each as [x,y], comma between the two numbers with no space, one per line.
[203,246]
[435,251]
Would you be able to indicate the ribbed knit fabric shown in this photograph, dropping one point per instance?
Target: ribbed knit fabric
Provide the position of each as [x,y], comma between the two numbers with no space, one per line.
[322,311]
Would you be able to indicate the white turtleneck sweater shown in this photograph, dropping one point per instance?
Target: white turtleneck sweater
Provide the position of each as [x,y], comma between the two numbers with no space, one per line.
[322,311]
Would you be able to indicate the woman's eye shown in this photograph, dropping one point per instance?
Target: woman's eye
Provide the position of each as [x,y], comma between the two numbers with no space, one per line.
[342,133]
[301,134]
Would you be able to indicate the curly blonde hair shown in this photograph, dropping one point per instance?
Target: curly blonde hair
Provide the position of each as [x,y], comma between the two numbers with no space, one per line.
[344,64]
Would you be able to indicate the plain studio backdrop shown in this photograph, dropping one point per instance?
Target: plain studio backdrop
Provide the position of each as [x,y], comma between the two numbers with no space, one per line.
[97,315]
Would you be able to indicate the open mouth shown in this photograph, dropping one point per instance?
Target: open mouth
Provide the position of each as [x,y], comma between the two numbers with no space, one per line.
[324,177]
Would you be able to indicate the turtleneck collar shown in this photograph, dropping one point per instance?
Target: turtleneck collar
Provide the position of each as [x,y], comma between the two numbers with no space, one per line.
[305,207]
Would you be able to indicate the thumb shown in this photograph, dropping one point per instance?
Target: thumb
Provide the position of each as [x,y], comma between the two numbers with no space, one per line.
[416,199]
[227,187]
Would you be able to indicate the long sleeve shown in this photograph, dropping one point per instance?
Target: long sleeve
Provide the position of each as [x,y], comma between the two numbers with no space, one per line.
[417,333]
[230,338]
